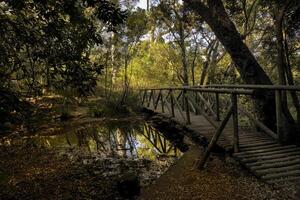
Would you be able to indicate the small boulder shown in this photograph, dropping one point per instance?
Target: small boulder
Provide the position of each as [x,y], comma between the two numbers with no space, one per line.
[128,185]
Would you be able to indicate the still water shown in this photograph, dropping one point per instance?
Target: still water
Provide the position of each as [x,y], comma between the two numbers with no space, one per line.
[127,140]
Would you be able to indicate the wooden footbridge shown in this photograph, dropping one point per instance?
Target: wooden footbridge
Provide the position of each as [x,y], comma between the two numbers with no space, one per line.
[207,110]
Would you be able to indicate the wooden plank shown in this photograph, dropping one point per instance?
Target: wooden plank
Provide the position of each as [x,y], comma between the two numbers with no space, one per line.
[249,140]
[278,169]
[277,164]
[286,179]
[272,161]
[269,157]
[250,155]
[257,144]
[260,147]
[249,136]
[264,150]
[283,174]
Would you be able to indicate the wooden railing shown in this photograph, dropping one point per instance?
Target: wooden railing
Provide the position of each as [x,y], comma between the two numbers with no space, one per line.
[216,103]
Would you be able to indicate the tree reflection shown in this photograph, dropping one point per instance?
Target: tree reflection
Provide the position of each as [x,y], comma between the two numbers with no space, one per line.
[134,141]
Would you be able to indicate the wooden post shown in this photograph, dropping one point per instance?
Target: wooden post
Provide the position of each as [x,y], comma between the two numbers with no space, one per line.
[279,115]
[149,100]
[187,109]
[157,100]
[235,123]
[214,140]
[162,103]
[153,98]
[144,96]
[172,103]
[217,107]
[196,100]
[182,100]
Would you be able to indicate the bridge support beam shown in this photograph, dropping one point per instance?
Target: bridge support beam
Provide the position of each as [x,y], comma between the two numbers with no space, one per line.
[187,108]
[214,139]
[235,123]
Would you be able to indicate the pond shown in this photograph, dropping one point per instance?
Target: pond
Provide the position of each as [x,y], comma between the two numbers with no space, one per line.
[125,140]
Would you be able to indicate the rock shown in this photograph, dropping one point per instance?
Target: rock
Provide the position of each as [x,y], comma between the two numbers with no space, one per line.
[128,185]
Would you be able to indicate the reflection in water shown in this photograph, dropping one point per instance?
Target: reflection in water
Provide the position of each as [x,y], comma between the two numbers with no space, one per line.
[139,141]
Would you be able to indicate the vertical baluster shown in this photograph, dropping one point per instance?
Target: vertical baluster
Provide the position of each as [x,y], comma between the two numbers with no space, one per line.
[162,103]
[218,106]
[279,115]
[149,100]
[172,103]
[195,97]
[187,110]
[144,97]
[157,100]
[235,123]
[153,99]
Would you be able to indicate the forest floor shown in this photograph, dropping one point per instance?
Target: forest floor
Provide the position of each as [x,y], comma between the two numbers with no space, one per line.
[30,172]
[220,180]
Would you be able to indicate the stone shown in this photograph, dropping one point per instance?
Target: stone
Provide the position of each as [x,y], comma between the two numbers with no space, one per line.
[128,185]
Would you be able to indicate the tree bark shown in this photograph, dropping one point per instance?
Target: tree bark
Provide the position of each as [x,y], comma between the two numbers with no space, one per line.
[251,72]
[185,64]
[285,76]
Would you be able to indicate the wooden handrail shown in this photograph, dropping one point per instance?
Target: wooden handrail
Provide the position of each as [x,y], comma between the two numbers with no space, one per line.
[223,88]
[209,90]
[246,86]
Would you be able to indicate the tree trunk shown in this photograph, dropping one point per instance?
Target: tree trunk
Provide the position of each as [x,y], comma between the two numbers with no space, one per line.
[126,83]
[204,73]
[183,56]
[290,80]
[284,74]
[193,64]
[251,72]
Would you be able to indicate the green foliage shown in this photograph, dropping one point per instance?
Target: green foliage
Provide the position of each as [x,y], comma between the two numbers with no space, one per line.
[46,44]
[154,65]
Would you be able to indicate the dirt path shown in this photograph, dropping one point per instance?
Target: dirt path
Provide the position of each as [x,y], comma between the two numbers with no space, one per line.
[220,180]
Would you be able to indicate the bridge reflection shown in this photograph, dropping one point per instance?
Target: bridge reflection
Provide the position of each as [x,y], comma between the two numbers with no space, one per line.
[125,140]
[140,141]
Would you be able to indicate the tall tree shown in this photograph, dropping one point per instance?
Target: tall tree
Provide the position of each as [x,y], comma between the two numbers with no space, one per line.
[214,14]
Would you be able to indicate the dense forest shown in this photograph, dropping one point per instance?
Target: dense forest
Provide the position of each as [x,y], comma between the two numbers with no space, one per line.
[61,61]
